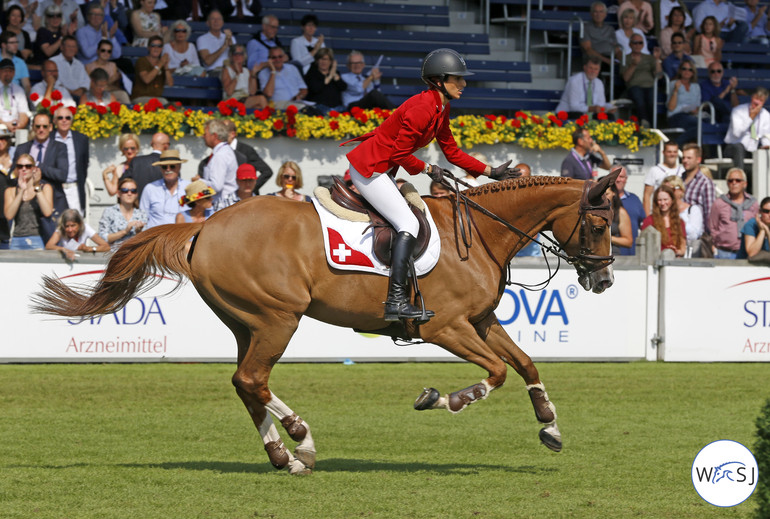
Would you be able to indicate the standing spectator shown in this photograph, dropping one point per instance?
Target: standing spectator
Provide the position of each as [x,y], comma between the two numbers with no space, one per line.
[77,159]
[304,47]
[72,72]
[213,45]
[14,110]
[9,46]
[756,232]
[676,24]
[289,179]
[240,83]
[240,11]
[732,30]
[198,199]
[219,173]
[27,203]
[145,22]
[690,214]
[246,177]
[363,89]
[699,189]
[599,38]
[160,199]
[282,83]
[14,24]
[584,92]
[246,154]
[258,47]
[643,10]
[96,30]
[665,218]
[124,219]
[128,144]
[6,162]
[324,84]
[48,40]
[719,91]
[656,174]
[684,102]
[114,76]
[729,214]
[640,73]
[634,209]
[142,170]
[585,155]
[756,17]
[708,44]
[152,74]
[183,56]
[626,30]
[72,16]
[749,127]
[676,57]
[97,92]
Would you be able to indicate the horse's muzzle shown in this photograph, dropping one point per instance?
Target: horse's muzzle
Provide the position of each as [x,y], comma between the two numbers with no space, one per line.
[597,281]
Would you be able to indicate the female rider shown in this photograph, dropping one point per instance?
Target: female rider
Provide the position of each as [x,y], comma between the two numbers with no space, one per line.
[375,162]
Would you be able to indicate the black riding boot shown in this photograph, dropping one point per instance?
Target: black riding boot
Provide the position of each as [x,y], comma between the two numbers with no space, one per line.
[397,306]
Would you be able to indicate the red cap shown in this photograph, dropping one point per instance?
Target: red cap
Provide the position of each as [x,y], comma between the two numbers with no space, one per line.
[347,178]
[246,171]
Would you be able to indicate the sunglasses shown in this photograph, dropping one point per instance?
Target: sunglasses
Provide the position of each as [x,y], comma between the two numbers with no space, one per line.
[677,42]
[40,126]
[53,15]
[164,167]
[637,43]
[357,63]
[65,117]
[290,177]
[105,50]
[734,180]
[715,71]
[156,45]
[180,29]
[686,69]
[129,148]
[765,211]
[31,166]
[238,53]
[128,190]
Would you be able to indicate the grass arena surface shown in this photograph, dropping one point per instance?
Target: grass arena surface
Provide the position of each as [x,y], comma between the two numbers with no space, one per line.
[174,440]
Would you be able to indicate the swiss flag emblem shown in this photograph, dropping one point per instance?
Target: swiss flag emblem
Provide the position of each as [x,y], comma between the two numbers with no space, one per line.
[342,254]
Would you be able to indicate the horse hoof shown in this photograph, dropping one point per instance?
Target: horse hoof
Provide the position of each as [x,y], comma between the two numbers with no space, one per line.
[427,399]
[297,468]
[306,456]
[551,437]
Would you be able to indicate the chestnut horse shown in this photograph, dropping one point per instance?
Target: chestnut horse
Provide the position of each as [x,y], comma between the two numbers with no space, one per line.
[260,266]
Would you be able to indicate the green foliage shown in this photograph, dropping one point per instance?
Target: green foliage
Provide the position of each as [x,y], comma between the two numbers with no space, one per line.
[762,455]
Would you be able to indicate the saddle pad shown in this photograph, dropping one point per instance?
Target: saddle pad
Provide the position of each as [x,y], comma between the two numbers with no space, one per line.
[348,245]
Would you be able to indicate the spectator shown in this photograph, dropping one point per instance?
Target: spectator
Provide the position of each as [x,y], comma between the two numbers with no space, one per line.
[756,232]
[304,47]
[213,45]
[72,72]
[114,76]
[96,30]
[97,93]
[72,16]
[585,155]
[676,24]
[141,169]
[708,44]
[160,199]
[627,30]
[657,173]
[183,56]
[640,73]
[719,91]
[128,144]
[246,178]
[759,26]
[667,6]
[14,110]
[27,203]
[749,128]
[77,159]
[324,84]
[198,201]
[9,44]
[289,179]
[152,74]
[145,22]
[438,189]
[732,30]
[123,220]
[282,83]
[677,57]
[49,84]
[684,102]
[241,83]
[48,39]
[246,154]
[363,89]
[349,182]
[598,38]
[14,24]
[621,234]
[115,12]
[690,214]
[72,234]
[633,209]
[240,11]
[219,173]
[729,214]
[645,22]
[5,180]
[699,189]
[584,92]
[258,47]
[665,218]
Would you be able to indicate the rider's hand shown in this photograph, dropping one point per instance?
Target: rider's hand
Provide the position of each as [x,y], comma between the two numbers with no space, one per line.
[503,172]
[435,173]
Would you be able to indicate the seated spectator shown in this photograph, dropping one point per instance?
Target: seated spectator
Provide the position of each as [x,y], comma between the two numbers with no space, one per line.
[26,204]
[708,44]
[439,190]
[676,24]
[14,24]
[683,103]
[183,56]
[731,30]
[97,93]
[719,91]
[152,74]
[645,22]
[124,219]
[282,82]
[6,162]
[729,213]
[304,48]
[160,199]
[128,144]
[599,38]
[213,45]
[756,232]
[72,234]
[198,201]
[633,208]
[145,22]
[759,25]
[584,156]
[49,84]
[14,110]
[627,30]
[324,84]
[363,89]
[258,47]
[240,83]
[9,43]
[114,76]
[621,234]
[677,57]
[246,178]
[72,16]
[665,218]
[72,72]
[654,177]
[49,36]
[96,30]
[289,179]
[690,214]
[749,128]
[584,92]
[640,73]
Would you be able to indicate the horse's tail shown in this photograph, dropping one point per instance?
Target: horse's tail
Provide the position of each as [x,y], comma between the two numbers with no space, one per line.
[138,265]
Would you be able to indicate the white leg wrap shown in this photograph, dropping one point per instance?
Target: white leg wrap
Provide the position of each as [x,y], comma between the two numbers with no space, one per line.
[277,407]
[268,431]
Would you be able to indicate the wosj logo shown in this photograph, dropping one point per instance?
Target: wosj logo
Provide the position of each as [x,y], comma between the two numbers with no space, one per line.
[724,473]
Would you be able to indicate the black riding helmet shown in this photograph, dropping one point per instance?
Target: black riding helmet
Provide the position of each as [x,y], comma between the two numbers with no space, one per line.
[440,64]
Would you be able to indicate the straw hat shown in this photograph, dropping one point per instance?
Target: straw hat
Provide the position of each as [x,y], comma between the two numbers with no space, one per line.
[169,157]
[196,191]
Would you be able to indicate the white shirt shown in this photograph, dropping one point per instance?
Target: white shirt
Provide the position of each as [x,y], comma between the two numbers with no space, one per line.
[665,9]
[658,172]
[212,44]
[39,89]
[624,41]
[72,75]
[740,128]
[175,58]
[574,98]
[17,102]
[219,173]
[72,173]
[300,52]
[74,243]
[67,8]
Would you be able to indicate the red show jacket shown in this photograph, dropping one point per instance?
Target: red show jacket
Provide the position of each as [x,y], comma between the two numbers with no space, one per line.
[412,126]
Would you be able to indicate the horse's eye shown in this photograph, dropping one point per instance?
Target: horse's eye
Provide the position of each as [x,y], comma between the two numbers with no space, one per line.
[599,229]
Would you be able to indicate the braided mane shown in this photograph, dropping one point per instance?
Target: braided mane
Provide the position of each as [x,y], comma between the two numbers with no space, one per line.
[515,183]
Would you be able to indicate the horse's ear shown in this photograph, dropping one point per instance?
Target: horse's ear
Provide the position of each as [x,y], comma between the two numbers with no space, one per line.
[597,191]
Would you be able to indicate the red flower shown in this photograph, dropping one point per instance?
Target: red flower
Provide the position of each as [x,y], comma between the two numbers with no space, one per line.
[137,108]
[536,119]
[562,115]
[114,107]
[334,114]
[178,104]
[73,109]
[515,123]
[34,97]
[601,116]
[291,132]
[521,115]
[489,124]
[621,122]
[636,127]
[580,121]
[101,110]
[56,95]
[491,117]
[152,105]
[462,125]
[187,112]
[503,119]
[635,118]
[291,110]
[262,115]
[278,124]
[334,125]
[45,103]
[242,110]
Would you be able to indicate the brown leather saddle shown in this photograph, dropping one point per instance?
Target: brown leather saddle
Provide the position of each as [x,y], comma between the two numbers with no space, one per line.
[384,233]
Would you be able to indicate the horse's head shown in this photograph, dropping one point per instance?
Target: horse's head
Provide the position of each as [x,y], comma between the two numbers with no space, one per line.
[588,243]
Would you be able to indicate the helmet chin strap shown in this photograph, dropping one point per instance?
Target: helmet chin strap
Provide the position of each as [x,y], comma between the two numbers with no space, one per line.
[439,86]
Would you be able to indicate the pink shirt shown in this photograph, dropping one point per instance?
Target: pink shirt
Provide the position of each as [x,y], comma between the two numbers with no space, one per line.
[725,231]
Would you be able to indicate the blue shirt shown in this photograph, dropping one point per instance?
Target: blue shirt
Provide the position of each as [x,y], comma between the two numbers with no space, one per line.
[21,70]
[159,204]
[257,52]
[671,64]
[635,210]
[750,228]
[355,90]
[708,91]
[88,43]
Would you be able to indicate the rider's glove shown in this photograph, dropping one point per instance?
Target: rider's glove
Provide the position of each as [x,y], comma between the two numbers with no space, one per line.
[503,172]
[435,173]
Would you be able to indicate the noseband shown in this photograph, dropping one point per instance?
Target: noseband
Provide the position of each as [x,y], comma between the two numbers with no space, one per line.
[585,262]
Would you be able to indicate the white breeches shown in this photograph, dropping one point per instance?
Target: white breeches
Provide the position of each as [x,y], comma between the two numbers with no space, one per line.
[381,191]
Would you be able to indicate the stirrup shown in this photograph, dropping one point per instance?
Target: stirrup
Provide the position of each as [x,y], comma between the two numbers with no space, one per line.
[404,310]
